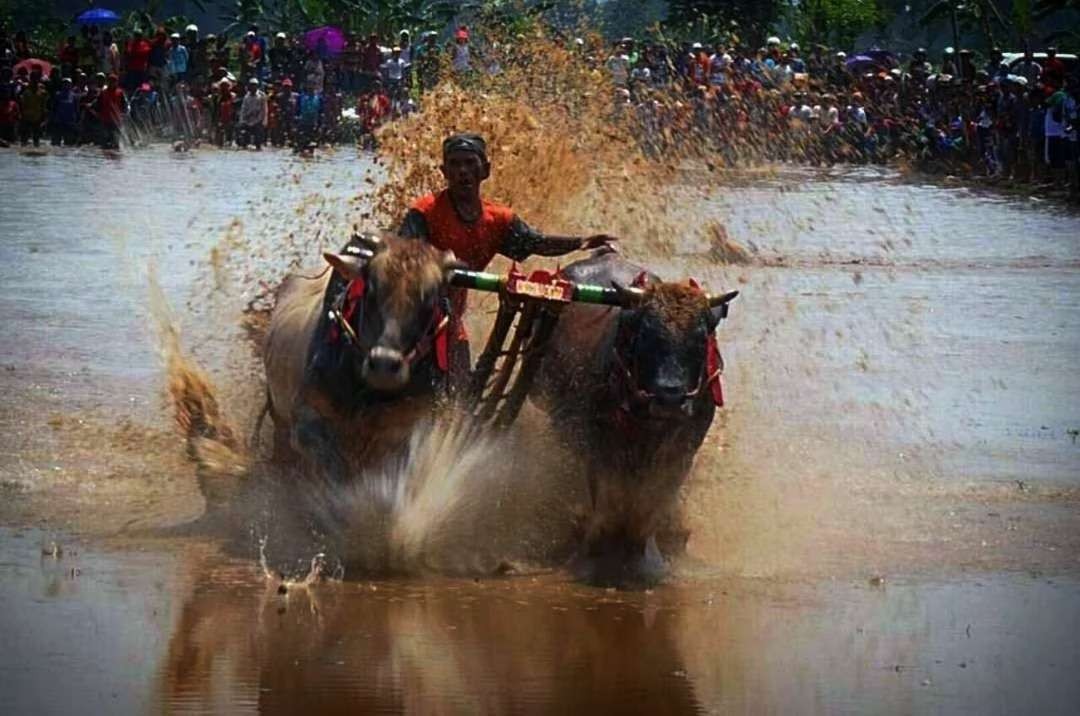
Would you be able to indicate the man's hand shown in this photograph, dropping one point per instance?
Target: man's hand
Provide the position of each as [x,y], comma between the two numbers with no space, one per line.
[597,241]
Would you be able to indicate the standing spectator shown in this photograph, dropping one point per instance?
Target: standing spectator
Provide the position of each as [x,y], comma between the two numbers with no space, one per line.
[919,68]
[64,122]
[112,106]
[426,60]
[142,106]
[108,61]
[618,65]
[948,63]
[796,62]
[223,113]
[393,74]
[1056,133]
[283,111]
[220,55]
[69,57]
[251,56]
[254,117]
[33,111]
[279,56]
[370,62]
[90,110]
[159,58]
[314,74]
[178,60]
[1028,68]
[136,61]
[309,114]
[1053,69]
[461,59]
[372,108]
[198,60]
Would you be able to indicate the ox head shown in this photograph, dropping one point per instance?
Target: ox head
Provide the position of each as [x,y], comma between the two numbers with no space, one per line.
[663,343]
[404,280]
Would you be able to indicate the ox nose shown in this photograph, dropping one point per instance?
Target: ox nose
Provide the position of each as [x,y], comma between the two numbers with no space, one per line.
[669,395]
[385,369]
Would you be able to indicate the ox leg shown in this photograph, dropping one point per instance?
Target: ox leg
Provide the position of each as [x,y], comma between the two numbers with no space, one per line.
[313,438]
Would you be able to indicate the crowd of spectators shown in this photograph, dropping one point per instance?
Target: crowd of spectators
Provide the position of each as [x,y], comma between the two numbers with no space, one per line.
[1007,117]
[193,87]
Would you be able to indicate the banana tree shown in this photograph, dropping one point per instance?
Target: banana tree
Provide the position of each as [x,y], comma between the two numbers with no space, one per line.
[982,14]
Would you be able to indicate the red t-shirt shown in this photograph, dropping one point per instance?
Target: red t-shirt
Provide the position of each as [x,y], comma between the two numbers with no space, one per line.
[138,55]
[111,103]
[475,243]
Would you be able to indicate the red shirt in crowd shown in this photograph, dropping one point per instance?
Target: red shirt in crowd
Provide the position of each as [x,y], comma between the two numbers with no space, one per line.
[138,55]
[112,105]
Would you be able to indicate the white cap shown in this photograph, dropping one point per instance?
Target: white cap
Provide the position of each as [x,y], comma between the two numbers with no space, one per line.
[174,36]
[794,46]
[841,55]
[695,46]
[774,40]
[280,36]
[191,28]
[949,50]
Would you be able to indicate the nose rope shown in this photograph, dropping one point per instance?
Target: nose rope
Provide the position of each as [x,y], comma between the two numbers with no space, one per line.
[351,301]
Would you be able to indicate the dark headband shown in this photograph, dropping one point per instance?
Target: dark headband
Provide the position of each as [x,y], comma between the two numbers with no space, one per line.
[465,143]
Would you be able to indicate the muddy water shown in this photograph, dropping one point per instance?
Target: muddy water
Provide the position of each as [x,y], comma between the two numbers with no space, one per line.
[898,460]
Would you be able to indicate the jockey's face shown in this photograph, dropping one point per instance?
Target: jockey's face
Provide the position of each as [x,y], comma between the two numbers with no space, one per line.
[463,171]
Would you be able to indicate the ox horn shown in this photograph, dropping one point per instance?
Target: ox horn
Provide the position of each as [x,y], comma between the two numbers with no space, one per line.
[628,297]
[450,262]
[369,242]
[723,299]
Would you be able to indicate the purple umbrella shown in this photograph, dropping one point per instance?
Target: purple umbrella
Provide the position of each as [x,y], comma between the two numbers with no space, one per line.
[325,40]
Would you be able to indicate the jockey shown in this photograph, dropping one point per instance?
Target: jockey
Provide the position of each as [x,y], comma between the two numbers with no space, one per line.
[457,219]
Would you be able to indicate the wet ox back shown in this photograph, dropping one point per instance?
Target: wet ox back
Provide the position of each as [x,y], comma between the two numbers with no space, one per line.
[293,325]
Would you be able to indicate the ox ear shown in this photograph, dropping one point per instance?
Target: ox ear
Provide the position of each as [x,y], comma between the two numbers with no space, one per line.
[450,262]
[718,307]
[348,266]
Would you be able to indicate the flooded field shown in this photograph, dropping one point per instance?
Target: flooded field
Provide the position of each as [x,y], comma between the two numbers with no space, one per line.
[886,518]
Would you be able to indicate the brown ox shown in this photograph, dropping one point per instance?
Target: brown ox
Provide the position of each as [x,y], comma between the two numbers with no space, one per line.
[343,394]
[634,390]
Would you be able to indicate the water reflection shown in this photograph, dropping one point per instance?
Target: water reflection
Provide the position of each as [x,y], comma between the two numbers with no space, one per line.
[506,646]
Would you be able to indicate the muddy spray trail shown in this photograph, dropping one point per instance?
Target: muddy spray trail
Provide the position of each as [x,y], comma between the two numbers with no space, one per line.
[893,406]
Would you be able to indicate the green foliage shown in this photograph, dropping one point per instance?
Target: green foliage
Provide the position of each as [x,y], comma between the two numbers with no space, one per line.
[45,31]
[834,22]
[712,20]
[981,15]
[628,17]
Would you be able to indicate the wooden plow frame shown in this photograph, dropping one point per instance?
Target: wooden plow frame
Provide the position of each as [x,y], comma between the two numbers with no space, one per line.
[529,308]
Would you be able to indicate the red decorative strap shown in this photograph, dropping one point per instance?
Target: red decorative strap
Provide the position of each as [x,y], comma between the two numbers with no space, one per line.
[714,368]
[442,342]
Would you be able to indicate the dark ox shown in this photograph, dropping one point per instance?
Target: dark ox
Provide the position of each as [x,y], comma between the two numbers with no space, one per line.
[345,401]
[630,390]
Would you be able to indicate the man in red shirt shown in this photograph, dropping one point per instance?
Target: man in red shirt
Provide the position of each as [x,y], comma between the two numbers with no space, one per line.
[112,105]
[137,60]
[1053,73]
[458,219]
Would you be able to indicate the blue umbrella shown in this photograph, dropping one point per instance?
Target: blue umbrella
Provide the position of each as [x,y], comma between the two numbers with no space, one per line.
[98,16]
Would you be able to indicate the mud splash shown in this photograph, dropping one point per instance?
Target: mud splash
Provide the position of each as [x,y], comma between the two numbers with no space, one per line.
[211,439]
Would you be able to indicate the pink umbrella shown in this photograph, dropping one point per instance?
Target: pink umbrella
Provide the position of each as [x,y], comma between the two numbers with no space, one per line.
[328,40]
[31,63]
